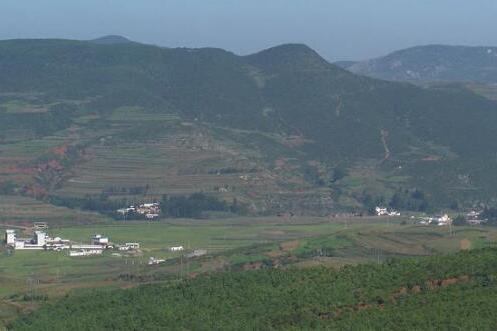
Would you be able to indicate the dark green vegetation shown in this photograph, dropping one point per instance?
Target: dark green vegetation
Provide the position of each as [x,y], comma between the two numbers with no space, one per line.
[195,205]
[93,126]
[442,293]
[32,278]
[433,63]
[280,130]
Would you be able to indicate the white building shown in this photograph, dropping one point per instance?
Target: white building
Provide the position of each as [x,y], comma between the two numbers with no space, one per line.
[38,242]
[176,248]
[87,247]
[40,238]
[153,261]
[98,239]
[197,253]
[85,252]
[150,205]
[10,237]
[129,246]
[380,211]
[21,244]
[444,220]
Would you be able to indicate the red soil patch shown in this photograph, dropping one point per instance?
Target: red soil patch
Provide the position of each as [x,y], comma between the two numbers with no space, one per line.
[288,246]
[61,150]
[252,266]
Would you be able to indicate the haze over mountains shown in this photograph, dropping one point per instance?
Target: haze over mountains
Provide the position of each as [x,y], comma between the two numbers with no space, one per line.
[318,111]
[432,63]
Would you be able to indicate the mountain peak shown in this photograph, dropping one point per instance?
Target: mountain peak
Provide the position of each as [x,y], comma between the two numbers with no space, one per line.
[111,39]
[295,56]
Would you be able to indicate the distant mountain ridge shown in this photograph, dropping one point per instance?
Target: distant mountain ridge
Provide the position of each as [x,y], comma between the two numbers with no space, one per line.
[433,63]
[111,39]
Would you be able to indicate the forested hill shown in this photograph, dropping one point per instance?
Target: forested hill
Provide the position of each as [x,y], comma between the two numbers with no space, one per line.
[454,292]
[318,111]
[287,89]
[433,63]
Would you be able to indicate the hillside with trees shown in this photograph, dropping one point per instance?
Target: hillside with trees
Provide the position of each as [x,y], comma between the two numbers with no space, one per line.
[441,292]
[285,104]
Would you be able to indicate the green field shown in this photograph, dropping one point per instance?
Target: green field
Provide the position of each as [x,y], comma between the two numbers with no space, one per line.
[238,243]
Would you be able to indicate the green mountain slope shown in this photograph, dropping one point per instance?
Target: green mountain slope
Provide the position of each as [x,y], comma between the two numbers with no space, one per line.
[434,63]
[435,293]
[288,96]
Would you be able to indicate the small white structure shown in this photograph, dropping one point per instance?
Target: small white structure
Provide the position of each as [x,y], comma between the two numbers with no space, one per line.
[150,205]
[152,216]
[197,253]
[22,244]
[176,248]
[40,225]
[58,247]
[87,247]
[10,237]
[473,214]
[393,213]
[153,260]
[19,244]
[129,247]
[98,239]
[380,211]
[444,220]
[125,211]
[85,252]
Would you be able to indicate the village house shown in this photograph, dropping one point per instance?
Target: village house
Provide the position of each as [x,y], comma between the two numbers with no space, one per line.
[149,210]
[382,211]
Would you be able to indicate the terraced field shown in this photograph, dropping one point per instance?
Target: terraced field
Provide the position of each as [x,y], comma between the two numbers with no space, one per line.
[165,167]
[131,147]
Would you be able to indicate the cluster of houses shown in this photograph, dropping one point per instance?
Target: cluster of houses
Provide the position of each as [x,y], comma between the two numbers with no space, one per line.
[98,244]
[471,218]
[442,220]
[474,218]
[383,211]
[150,211]
[41,241]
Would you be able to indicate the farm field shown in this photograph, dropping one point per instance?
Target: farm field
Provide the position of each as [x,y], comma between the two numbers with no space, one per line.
[232,244]
[23,211]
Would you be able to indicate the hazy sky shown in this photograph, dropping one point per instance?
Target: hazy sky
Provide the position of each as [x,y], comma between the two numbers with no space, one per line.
[338,29]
